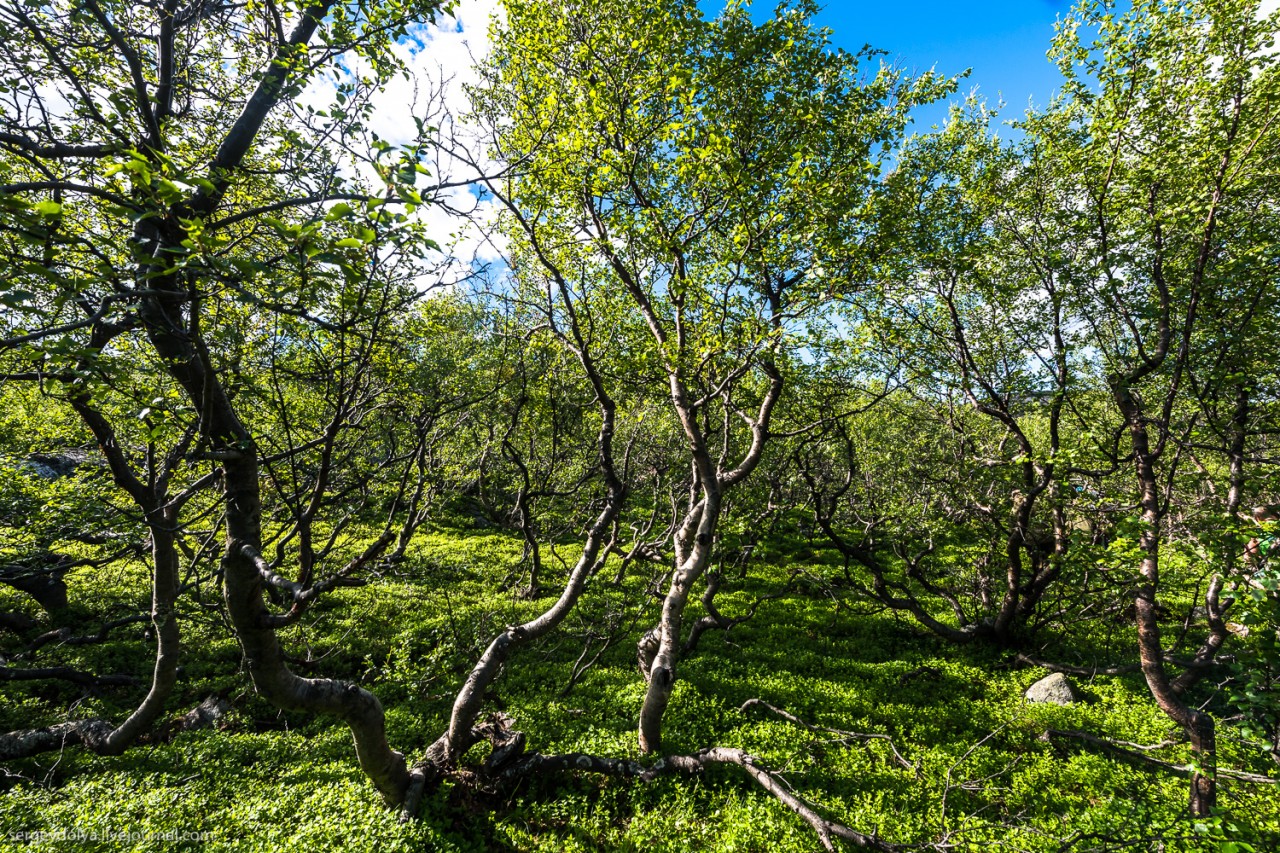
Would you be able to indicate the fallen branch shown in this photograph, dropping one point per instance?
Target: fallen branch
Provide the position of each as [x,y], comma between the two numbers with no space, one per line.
[845,735]
[65,637]
[1069,669]
[827,830]
[66,673]
[1143,760]
[8,779]
[1091,671]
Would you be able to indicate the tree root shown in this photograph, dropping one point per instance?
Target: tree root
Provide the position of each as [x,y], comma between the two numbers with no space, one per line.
[12,620]
[41,579]
[509,764]
[92,734]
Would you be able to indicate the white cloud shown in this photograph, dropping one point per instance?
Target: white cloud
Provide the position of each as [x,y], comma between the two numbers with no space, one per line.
[442,63]
[440,59]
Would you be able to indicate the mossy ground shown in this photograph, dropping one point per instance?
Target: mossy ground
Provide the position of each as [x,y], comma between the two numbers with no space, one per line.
[269,781]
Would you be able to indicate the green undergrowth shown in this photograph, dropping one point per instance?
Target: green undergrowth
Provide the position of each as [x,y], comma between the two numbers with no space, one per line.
[982,775]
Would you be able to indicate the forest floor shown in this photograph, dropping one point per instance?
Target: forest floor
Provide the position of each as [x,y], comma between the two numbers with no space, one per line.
[981,776]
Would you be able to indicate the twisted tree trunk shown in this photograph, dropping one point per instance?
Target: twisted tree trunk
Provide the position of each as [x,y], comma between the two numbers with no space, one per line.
[694,553]
[1198,725]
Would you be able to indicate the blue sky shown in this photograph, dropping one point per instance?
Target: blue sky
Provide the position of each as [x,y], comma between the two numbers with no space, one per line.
[1003,41]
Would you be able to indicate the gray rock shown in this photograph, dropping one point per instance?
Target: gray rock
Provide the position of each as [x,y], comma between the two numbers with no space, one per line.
[1054,689]
[54,466]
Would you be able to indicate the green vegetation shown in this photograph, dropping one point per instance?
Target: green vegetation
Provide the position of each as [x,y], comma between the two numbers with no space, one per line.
[266,781]
[737,508]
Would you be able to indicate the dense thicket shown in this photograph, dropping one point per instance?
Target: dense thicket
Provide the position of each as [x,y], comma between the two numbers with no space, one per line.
[747,342]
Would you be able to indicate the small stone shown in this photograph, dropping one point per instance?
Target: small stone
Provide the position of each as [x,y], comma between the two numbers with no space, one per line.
[208,712]
[54,466]
[1054,689]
